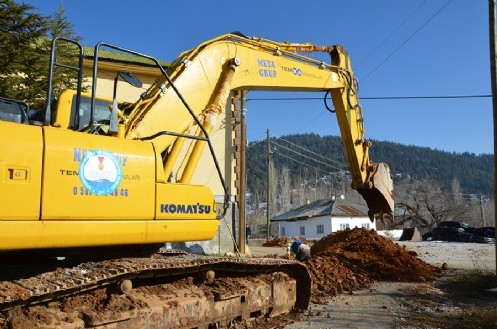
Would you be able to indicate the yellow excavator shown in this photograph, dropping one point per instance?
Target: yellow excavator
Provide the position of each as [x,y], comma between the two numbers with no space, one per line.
[100,174]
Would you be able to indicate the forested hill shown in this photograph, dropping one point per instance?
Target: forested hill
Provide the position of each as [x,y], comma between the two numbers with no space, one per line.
[313,155]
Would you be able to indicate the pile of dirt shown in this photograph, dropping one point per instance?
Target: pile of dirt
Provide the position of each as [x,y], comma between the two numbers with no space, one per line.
[283,242]
[276,242]
[353,259]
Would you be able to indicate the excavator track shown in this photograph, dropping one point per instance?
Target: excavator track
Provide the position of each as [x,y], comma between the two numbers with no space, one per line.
[260,287]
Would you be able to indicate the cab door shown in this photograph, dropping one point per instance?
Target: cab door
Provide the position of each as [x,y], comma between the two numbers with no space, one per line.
[21,150]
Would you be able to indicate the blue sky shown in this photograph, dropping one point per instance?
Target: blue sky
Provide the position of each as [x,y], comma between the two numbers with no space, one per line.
[397,48]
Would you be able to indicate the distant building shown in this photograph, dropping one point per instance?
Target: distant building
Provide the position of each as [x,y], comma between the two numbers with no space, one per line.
[320,218]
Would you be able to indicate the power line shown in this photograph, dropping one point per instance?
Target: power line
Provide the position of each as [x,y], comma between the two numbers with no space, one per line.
[303,149]
[284,99]
[313,153]
[408,39]
[340,166]
[307,165]
[372,98]
[300,176]
[305,156]
[428,97]
[392,33]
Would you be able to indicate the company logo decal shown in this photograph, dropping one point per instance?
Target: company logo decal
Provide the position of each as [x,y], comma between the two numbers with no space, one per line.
[185,208]
[297,71]
[100,172]
[267,68]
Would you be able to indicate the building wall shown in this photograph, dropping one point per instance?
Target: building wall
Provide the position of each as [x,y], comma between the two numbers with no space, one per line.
[293,229]
[352,222]
[107,73]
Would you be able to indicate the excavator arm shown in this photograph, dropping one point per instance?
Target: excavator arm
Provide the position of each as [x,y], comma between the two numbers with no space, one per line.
[203,78]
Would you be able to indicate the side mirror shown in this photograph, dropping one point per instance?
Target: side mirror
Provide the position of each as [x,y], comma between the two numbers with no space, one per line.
[132,80]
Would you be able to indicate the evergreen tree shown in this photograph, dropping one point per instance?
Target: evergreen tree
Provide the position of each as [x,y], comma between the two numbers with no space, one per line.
[66,53]
[21,46]
[25,48]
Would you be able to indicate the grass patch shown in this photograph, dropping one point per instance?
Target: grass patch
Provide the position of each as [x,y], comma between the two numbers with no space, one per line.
[472,318]
[469,290]
[464,304]
[473,284]
[479,318]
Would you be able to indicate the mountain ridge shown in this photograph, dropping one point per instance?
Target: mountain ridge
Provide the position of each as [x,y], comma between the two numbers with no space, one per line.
[318,155]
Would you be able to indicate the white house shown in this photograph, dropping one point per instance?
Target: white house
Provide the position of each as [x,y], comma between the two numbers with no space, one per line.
[320,218]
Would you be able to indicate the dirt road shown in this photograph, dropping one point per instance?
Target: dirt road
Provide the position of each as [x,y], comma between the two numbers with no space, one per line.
[390,304]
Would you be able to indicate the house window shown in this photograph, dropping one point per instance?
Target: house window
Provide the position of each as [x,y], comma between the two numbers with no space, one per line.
[320,229]
[302,230]
[343,227]
[283,231]
[365,225]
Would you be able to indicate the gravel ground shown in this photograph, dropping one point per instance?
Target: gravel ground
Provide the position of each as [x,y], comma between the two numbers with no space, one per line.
[457,255]
[385,304]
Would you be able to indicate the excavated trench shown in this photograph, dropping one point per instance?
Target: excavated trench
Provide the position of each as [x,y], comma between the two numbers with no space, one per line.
[341,262]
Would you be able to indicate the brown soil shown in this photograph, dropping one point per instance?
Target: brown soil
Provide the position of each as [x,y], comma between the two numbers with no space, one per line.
[90,308]
[353,259]
[283,242]
[341,262]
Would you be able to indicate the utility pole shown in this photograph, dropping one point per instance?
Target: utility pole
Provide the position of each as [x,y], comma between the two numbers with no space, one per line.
[240,105]
[482,211]
[316,185]
[268,196]
[493,79]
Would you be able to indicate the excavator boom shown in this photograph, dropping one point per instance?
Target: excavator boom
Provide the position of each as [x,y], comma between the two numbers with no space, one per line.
[236,62]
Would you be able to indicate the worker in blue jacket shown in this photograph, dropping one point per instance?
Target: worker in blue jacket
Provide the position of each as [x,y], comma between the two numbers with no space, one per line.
[301,250]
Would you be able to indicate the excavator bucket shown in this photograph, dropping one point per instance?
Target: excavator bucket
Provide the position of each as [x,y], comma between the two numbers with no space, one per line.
[379,197]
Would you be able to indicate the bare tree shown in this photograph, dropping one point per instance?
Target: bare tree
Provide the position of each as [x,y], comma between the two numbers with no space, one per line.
[273,189]
[256,214]
[284,190]
[298,198]
[424,204]
[456,190]
[482,213]
[487,212]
